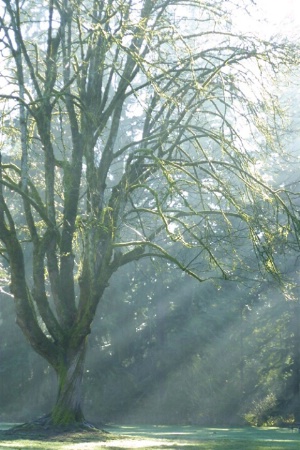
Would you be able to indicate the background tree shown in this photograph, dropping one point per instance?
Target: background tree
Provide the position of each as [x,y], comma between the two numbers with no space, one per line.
[136,137]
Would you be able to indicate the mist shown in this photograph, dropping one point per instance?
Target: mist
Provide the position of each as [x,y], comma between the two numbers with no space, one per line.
[149,216]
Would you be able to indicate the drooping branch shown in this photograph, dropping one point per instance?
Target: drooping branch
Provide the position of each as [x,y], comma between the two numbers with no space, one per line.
[129,125]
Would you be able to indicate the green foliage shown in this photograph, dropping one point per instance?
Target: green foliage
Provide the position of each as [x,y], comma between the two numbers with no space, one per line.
[128,119]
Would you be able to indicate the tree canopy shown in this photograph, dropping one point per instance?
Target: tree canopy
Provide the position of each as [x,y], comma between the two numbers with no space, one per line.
[131,129]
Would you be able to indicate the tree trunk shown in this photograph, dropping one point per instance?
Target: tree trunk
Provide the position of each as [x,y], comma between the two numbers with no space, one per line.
[67,409]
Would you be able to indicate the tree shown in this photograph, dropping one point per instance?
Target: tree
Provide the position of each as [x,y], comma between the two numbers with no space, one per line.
[129,133]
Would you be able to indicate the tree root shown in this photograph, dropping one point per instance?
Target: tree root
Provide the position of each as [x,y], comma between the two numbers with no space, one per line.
[44,427]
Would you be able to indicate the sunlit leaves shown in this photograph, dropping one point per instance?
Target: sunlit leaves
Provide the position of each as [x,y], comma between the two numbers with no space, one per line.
[144,127]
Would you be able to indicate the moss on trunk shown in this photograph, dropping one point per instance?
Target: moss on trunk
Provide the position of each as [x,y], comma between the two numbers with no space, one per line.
[67,409]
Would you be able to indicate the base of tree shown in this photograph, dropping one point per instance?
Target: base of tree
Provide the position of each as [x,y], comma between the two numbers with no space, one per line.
[44,427]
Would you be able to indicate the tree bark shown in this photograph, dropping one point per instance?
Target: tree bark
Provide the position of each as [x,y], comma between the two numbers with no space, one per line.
[67,409]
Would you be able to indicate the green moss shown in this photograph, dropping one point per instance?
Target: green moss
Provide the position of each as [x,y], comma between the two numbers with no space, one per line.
[64,416]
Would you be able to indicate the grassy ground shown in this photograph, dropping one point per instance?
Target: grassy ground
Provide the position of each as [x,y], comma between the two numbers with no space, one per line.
[160,438]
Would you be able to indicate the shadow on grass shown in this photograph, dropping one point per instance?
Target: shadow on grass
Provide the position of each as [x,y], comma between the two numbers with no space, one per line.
[155,437]
[55,436]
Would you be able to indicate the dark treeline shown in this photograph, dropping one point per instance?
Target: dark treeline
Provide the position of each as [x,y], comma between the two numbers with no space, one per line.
[166,349]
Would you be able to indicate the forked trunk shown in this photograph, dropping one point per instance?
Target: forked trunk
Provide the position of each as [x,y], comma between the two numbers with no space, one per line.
[67,409]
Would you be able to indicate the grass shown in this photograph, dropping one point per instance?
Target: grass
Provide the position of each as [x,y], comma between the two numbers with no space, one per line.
[163,438]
